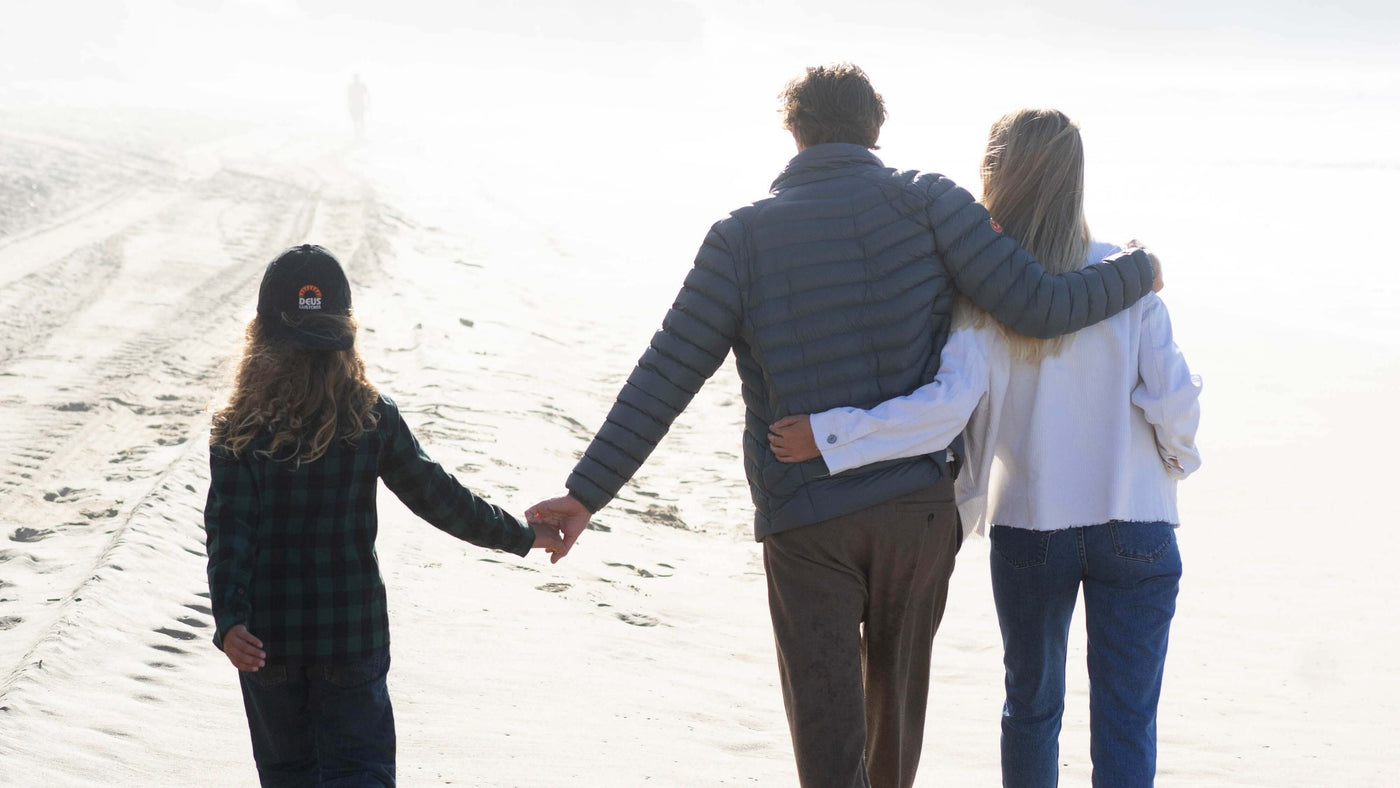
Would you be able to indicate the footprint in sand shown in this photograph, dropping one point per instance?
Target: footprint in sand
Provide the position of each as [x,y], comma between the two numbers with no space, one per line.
[178,634]
[191,621]
[554,588]
[667,515]
[645,572]
[748,748]
[62,495]
[27,534]
[637,619]
[518,567]
[133,453]
[10,622]
[34,563]
[74,407]
[200,608]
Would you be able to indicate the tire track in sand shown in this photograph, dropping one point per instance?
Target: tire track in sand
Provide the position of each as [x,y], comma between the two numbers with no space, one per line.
[101,538]
[101,410]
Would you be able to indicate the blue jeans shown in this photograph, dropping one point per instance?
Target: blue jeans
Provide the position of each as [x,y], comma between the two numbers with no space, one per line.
[1130,573]
[322,725]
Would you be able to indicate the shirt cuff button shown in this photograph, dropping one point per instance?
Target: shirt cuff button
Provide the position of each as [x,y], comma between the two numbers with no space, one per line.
[831,439]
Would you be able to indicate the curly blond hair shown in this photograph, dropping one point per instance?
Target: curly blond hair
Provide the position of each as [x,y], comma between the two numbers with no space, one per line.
[303,399]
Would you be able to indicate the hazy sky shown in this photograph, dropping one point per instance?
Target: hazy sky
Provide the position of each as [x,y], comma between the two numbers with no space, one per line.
[265,52]
[539,87]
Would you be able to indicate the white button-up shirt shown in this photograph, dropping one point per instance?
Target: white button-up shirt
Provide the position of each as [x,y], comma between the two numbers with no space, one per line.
[1103,431]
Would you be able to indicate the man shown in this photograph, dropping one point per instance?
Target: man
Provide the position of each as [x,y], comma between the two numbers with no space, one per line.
[838,290]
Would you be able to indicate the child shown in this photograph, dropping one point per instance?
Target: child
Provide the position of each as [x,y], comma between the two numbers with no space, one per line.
[295,458]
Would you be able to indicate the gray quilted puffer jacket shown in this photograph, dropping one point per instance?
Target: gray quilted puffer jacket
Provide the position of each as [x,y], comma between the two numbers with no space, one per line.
[836,290]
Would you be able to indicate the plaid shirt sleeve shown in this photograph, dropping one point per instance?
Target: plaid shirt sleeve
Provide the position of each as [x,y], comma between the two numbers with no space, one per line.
[230,529]
[436,496]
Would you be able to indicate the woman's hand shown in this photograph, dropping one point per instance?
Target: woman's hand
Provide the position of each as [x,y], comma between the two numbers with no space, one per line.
[244,650]
[791,439]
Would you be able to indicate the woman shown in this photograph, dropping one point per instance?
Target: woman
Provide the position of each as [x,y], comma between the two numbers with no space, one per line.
[1073,452]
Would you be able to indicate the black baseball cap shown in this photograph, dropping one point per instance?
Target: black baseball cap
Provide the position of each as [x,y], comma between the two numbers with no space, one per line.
[303,284]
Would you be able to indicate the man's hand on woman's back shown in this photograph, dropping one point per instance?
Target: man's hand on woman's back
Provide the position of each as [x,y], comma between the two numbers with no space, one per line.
[1157,283]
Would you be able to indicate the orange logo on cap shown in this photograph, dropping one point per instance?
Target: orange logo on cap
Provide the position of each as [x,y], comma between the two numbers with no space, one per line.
[309,297]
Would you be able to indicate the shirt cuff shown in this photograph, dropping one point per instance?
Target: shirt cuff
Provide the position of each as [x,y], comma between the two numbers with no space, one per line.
[828,432]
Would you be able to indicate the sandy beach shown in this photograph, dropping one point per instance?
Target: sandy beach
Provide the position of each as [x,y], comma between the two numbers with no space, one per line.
[130,252]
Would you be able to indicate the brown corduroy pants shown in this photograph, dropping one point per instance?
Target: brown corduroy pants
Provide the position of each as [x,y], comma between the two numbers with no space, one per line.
[855,602]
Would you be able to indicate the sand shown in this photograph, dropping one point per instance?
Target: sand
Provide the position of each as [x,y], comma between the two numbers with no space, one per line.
[128,267]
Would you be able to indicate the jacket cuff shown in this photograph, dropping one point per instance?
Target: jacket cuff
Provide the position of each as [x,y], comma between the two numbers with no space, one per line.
[1149,276]
[587,493]
[526,542]
[222,624]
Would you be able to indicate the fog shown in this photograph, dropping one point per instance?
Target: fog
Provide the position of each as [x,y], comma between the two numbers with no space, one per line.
[664,76]
[532,180]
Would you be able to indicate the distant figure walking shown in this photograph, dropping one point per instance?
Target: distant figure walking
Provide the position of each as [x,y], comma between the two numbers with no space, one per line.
[357,98]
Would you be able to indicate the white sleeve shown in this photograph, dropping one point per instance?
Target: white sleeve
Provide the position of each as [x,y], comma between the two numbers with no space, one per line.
[1167,392]
[923,422]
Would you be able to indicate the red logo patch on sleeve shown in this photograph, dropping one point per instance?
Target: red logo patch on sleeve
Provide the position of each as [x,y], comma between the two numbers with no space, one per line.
[995,226]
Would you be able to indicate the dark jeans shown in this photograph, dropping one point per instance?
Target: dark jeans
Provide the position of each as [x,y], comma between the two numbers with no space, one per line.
[322,725]
[1130,573]
[855,602]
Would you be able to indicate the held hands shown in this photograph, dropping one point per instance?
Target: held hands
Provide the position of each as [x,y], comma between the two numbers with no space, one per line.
[566,516]
[1157,282]
[791,439]
[548,537]
[244,650]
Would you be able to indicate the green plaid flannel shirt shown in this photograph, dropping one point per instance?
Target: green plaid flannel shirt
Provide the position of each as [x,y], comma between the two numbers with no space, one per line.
[291,549]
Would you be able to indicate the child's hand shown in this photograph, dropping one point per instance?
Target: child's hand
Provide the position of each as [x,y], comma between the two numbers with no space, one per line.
[565,514]
[791,439]
[549,537]
[244,650]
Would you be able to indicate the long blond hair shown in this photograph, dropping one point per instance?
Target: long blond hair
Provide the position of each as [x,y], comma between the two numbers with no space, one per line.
[1033,186]
[303,399]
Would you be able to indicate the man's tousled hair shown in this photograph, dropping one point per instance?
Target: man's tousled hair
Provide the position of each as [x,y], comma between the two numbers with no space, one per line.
[834,103]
